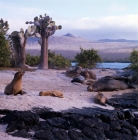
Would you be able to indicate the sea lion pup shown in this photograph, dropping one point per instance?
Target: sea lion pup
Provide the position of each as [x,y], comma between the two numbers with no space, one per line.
[15,87]
[78,79]
[100,99]
[108,84]
[55,93]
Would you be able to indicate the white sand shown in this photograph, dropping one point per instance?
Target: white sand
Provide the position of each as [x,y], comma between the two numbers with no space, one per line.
[33,82]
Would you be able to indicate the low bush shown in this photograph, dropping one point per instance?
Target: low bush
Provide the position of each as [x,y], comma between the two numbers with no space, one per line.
[53,60]
[32,60]
[87,58]
[134,64]
[57,61]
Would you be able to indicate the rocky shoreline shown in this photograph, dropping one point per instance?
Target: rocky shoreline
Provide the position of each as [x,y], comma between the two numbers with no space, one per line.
[77,124]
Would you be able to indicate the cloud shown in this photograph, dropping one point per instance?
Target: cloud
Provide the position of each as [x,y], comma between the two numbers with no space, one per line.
[97,23]
[106,27]
[118,8]
[15,8]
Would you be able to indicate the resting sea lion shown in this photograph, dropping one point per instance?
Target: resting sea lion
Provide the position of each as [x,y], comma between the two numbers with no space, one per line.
[88,74]
[74,72]
[108,84]
[15,87]
[78,79]
[55,93]
[100,99]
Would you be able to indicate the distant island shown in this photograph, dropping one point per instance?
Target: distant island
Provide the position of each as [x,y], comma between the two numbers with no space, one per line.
[117,40]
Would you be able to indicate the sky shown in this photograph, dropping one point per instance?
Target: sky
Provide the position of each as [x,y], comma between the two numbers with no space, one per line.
[90,19]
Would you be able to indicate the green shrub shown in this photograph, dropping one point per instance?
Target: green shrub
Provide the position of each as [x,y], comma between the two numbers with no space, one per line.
[4,51]
[87,58]
[53,60]
[57,61]
[134,64]
[134,60]
[32,60]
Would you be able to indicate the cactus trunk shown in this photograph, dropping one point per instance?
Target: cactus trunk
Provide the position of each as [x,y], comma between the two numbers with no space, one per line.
[23,55]
[44,54]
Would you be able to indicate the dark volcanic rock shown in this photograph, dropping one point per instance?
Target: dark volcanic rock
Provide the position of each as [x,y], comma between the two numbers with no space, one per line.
[89,133]
[22,133]
[128,100]
[61,135]
[77,124]
[113,135]
[58,122]
[9,117]
[44,135]
[90,122]
[15,125]
[129,115]
[76,135]
[43,125]
[26,116]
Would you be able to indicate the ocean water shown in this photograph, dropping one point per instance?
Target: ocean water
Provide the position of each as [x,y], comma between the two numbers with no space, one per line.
[113,65]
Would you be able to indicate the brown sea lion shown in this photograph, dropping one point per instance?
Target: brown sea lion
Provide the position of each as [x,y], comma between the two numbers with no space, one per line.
[108,84]
[74,72]
[100,99]
[55,93]
[88,74]
[15,87]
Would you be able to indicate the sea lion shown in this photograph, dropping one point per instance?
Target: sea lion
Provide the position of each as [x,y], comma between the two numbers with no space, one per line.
[100,99]
[108,84]
[78,79]
[88,74]
[55,93]
[15,87]
[88,82]
[74,72]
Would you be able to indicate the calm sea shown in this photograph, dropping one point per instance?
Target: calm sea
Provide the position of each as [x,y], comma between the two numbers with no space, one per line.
[113,65]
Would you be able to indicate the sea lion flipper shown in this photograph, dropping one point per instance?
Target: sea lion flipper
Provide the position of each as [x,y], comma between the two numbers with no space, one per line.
[20,92]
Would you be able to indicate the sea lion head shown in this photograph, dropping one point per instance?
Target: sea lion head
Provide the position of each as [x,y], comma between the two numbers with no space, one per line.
[41,93]
[99,96]
[85,74]
[89,88]
[19,74]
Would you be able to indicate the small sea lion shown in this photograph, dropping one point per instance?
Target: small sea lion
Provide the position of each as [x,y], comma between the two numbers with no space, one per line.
[55,93]
[88,74]
[78,79]
[78,69]
[15,87]
[108,84]
[100,99]
[74,72]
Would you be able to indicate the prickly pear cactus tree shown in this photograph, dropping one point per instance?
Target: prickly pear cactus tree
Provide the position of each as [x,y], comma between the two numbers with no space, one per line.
[45,27]
[19,40]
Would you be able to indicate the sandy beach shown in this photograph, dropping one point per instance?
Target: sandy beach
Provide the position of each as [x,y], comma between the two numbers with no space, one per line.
[75,96]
